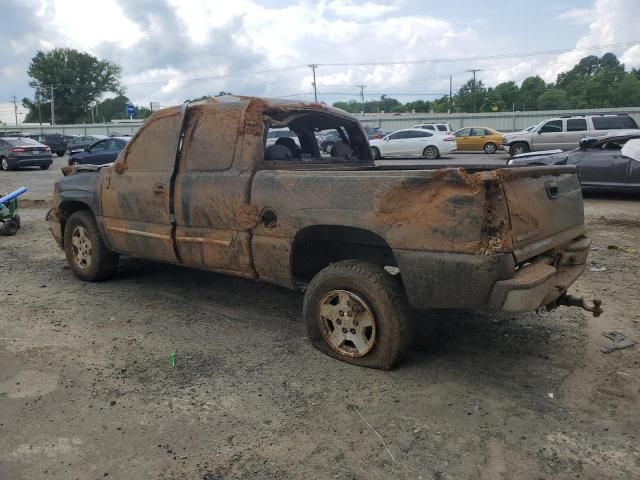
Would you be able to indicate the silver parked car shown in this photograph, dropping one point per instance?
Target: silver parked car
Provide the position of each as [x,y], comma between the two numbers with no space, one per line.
[605,163]
[565,133]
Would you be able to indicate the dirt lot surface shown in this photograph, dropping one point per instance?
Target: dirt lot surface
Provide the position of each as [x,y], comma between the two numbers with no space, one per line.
[87,390]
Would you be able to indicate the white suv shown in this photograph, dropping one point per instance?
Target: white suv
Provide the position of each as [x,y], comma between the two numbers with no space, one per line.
[442,128]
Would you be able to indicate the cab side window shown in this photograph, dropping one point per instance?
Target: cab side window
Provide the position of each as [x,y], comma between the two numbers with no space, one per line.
[156,143]
[465,132]
[576,125]
[210,137]
[552,126]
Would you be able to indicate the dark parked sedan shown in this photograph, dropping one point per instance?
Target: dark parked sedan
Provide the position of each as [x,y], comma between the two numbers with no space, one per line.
[17,152]
[79,144]
[101,152]
[55,141]
[605,163]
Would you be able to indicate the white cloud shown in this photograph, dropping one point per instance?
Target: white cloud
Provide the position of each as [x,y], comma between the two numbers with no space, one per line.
[631,57]
[578,15]
[614,21]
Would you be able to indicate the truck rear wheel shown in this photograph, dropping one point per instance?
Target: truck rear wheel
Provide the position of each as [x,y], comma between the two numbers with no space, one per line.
[358,313]
[86,253]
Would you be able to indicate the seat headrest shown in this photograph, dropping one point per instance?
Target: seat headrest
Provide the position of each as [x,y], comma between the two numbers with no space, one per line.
[277,152]
[341,150]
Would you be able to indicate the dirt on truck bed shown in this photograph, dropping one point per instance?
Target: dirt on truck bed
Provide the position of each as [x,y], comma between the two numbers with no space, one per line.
[88,391]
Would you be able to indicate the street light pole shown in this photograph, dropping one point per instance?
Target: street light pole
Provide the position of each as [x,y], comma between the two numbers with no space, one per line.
[362,87]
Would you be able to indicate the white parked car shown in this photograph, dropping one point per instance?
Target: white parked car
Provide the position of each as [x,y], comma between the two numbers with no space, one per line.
[275,133]
[442,128]
[412,142]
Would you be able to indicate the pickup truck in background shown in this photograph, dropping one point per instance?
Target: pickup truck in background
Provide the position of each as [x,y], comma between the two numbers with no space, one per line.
[565,133]
[196,186]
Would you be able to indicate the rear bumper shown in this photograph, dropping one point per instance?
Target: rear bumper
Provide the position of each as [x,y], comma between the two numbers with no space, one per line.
[542,281]
[29,162]
[492,282]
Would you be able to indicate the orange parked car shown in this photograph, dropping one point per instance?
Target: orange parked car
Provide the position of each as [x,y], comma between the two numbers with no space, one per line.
[478,138]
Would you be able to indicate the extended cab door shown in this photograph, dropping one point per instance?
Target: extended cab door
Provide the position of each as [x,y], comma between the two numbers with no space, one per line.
[212,192]
[550,136]
[135,192]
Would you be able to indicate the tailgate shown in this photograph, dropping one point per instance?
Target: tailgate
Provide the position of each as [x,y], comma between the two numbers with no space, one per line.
[545,208]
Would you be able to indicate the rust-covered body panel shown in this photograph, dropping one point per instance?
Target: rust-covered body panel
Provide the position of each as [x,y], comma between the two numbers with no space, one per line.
[193,188]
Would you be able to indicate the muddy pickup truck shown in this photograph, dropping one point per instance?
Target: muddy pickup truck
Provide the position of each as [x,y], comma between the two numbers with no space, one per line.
[197,186]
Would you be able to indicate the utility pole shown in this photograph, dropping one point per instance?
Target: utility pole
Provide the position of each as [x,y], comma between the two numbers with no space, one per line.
[362,87]
[450,93]
[15,109]
[313,67]
[474,70]
[53,109]
[39,108]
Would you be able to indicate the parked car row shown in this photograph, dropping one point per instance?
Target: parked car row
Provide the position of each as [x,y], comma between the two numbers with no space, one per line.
[611,162]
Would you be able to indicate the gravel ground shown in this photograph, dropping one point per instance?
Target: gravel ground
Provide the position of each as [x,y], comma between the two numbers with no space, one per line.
[87,389]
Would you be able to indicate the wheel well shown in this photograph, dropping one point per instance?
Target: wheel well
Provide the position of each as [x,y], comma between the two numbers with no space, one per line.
[315,248]
[66,209]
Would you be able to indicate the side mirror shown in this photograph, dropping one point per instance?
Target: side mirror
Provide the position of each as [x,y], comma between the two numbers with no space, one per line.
[539,132]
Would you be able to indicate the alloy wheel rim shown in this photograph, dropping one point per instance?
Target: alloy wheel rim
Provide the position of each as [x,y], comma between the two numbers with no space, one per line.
[5,165]
[347,323]
[431,153]
[82,248]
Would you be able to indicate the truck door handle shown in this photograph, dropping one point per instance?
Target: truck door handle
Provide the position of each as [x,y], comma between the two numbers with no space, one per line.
[159,188]
[552,189]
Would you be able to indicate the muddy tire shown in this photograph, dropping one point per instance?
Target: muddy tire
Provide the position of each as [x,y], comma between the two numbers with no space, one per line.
[375,153]
[490,148]
[328,146]
[431,152]
[86,253]
[518,149]
[358,313]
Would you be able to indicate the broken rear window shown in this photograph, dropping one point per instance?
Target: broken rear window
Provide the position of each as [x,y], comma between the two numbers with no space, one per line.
[314,136]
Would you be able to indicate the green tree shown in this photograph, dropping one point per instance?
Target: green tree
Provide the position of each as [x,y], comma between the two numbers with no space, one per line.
[628,93]
[464,101]
[492,102]
[552,99]
[508,92]
[530,90]
[418,106]
[78,80]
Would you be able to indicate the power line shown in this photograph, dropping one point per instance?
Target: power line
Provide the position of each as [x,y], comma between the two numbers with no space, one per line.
[484,57]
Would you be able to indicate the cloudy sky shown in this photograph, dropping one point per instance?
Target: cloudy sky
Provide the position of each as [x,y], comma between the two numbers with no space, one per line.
[171,50]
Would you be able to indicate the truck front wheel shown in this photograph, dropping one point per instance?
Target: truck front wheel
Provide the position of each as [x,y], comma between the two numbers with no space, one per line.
[358,313]
[86,253]
[518,149]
